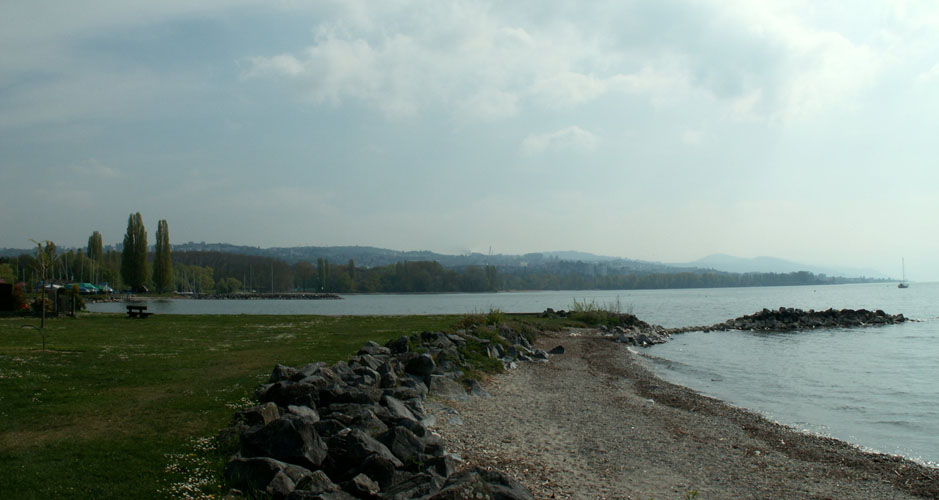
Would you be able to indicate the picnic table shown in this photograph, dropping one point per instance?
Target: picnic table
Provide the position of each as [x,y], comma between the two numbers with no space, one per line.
[137,312]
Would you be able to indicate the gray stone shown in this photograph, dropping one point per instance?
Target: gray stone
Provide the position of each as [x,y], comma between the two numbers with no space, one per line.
[361,486]
[281,372]
[257,415]
[476,389]
[350,448]
[445,387]
[421,366]
[504,487]
[257,473]
[374,349]
[318,482]
[398,346]
[464,485]
[413,486]
[404,444]
[304,412]
[397,408]
[290,440]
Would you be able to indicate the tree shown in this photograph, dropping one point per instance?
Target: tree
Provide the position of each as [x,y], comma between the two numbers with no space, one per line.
[134,256]
[162,259]
[45,259]
[95,247]
[96,254]
[6,273]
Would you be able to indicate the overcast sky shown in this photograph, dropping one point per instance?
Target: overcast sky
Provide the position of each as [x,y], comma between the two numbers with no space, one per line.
[664,130]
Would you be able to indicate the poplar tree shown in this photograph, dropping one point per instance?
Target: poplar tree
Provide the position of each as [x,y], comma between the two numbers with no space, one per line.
[95,247]
[134,255]
[162,259]
[96,254]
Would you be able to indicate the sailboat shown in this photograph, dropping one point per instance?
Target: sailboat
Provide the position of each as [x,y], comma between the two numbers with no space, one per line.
[903,283]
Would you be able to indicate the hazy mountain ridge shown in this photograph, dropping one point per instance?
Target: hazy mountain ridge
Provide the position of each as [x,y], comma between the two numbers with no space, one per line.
[763,264]
[368,256]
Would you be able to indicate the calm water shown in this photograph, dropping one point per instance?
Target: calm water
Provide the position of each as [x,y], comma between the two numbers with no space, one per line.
[875,386]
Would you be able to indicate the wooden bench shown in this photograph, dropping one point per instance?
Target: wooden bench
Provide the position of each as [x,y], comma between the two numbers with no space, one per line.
[137,312]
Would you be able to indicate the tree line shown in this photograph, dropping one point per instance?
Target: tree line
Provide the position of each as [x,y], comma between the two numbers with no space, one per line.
[138,269]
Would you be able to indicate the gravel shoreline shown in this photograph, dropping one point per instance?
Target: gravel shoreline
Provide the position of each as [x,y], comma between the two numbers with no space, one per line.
[593,423]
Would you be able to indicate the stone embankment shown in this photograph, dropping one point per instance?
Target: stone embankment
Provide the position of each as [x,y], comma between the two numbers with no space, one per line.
[784,319]
[361,429]
[787,319]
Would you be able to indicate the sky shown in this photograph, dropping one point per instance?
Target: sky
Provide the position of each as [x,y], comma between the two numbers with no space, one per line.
[661,130]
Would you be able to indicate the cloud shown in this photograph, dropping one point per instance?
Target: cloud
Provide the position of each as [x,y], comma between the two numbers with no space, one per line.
[569,139]
[92,168]
[692,137]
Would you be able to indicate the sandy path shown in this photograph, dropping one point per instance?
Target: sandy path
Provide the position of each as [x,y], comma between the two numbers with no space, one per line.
[593,423]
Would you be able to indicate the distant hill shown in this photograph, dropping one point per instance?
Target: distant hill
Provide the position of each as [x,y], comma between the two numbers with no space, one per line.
[367,256]
[732,264]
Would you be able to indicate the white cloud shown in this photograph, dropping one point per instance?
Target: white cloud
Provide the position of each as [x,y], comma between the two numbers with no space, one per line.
[569,139]
[929,76]
[490,104]
[692,137]
[92,168]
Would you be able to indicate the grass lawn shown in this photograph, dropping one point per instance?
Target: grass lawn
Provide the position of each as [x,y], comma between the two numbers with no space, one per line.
[122,408]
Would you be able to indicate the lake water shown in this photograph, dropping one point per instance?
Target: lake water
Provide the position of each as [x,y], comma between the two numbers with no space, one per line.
[872,386]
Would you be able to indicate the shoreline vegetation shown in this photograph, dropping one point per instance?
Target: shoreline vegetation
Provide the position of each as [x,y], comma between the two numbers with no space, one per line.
[219,273]
[137,405]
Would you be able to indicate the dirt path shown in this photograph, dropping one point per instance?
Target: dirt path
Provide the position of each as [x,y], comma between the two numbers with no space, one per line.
[593,423]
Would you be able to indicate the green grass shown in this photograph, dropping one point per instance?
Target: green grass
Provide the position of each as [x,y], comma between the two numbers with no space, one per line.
[120,408]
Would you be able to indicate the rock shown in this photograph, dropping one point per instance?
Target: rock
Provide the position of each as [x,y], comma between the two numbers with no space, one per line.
[350,448]
[356,395]
[445,387]
[361,486]
[286,393]
[398,346]
[476,389]
[464,485]
[381,469]
[397,408]
[504,487]
[281,372]
[421,366]
[540,355]
[304,412]
[329,427]
[413,486]
[404,444]
[374,349]
[388,380]
[258,473]
[557,350]
[256,415]
[329,495]
[319,482]
[310,369]
[290,440]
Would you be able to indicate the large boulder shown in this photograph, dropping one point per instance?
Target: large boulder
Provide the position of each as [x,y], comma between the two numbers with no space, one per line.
[374,349]
[447,388]
[256,415]
[413,486]
[262,474]
[421,366]
[291,440]
[350,448]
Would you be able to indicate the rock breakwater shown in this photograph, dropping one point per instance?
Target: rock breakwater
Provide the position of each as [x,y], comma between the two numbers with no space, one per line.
[784,319]
[790,319]
[360,428]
